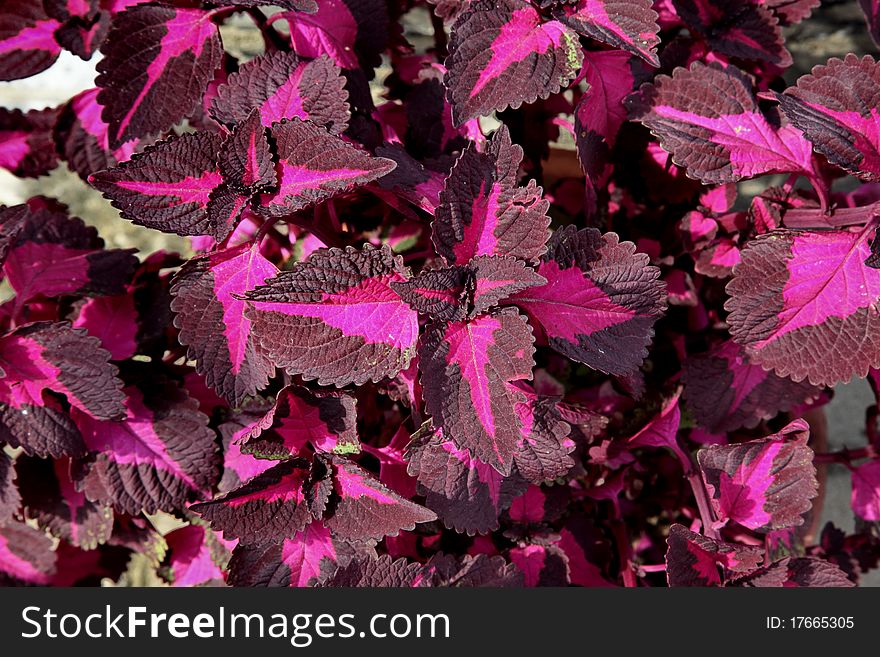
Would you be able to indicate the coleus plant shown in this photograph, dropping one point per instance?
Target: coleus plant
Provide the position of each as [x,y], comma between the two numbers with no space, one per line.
[419,341]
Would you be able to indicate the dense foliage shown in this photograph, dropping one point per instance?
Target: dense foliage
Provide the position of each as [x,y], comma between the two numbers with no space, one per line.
[422,342]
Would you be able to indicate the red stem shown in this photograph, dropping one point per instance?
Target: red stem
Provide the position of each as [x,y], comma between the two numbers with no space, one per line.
[842,217]
[621,540]
[847,456]
[271,38]
[707,515]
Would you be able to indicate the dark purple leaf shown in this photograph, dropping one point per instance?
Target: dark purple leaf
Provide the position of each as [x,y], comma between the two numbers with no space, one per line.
[467,494]
[324,420]
[313,165]
[53,357]
[26,555]
[171,186]
[50,497]
[271,506]
[364,509]
[341,320]
[745,30]
[212,322]
[307,559]
[801,572]
[158,458]
[501,55]
[694,560]
[835,108]
[726,391]
[467,368]
[157,63]
[763,484]
[282,87]
[802,303]
[630,25]
[51,254]
[26,146]
[483,211]
[10,499]
[600,301]
[709,119]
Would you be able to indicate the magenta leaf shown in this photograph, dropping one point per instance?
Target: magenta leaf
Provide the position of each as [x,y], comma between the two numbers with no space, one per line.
[159,457]
[271,506]
[10,498]
[245,160]
[834,107]
[600,113]
[801,572]
[26,556]
[27,39]
[501,55]
[82,137]
[341,320]
[541,565]
[282,87]
[866,490]
[724,137]
[352,32]
[410,180]
[313,165]
[196,557]
[726,391]
[496,278]
[467,368]
[630,25]
[803,304]
[44,357]
[600,301]
[467,494]
[763,484]
[745,30]
[307,559]
[111,319]
[483,211]
[50,253]
[170,186]
[157,63]
[50,497]
[26,146]
[364,509]
[695,560]
[324,420]
[211,317]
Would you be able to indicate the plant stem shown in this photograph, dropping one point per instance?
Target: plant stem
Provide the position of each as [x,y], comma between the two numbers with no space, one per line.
[624,551]
[271,38]
[439,35]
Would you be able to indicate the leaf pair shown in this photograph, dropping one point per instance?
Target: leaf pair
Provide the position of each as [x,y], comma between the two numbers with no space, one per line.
[286,499]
